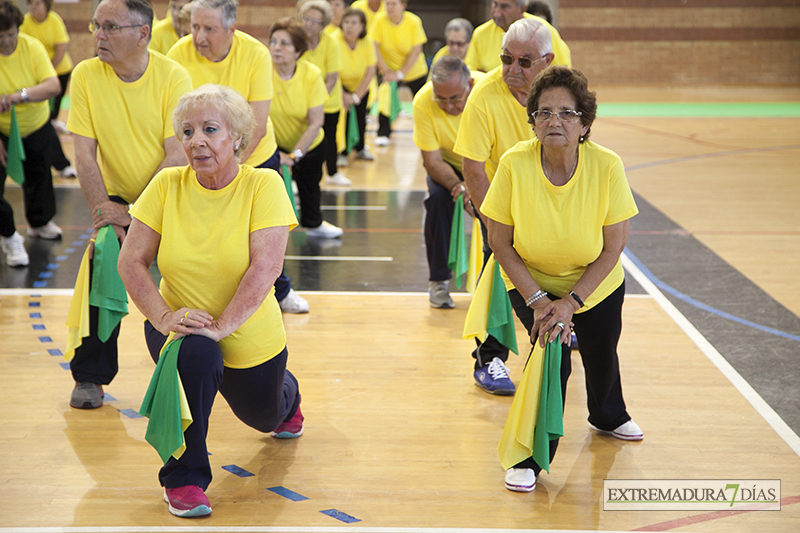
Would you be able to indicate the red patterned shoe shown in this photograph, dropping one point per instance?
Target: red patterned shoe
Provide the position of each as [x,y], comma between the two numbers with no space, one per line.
[187,502]
[293,428]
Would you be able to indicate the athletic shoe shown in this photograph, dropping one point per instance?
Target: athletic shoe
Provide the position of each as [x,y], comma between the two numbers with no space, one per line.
[341,160]
[365,154]
[627,431]
[14,250]
[520,479]
[86,396]
[293,428]
[326,230]
[187,502]
[382,140]
[439,295]
[49,231]
[59,126]
[493,378]
[338,179]
[294,303]
[68,172]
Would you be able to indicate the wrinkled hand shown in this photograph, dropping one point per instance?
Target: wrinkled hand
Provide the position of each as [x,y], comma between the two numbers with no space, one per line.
[554,318]
[390,75]
[286,160]
[109,212]
[213,331]
[184,321]
[7,100]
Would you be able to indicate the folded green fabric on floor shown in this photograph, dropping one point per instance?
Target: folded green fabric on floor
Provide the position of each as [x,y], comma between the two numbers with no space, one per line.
[550,417]
[107,292]
[458,257]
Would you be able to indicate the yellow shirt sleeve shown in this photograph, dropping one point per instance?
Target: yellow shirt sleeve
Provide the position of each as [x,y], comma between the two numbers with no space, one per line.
[50,33]
[26,66]
[293,99]
[163,37]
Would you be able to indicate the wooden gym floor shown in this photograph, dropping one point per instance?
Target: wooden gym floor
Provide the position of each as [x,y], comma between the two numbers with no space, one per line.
[396,435]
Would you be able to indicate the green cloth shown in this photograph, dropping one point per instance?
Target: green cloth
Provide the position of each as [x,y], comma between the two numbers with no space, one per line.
[458,257]
[395,101]
[550,418]
[287,179]
[162,405]
[16,151]
[353,136]
[500,323]
[107,292]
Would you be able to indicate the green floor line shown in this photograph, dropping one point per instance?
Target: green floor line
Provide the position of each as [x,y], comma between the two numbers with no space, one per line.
[699,110]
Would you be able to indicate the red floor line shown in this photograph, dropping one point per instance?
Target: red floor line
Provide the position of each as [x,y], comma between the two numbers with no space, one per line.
[697,519]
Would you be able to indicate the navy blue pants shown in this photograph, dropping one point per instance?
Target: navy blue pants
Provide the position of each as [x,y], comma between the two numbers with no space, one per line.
[439,209]
[598,332]
[262,397]
[307,173]
[283,284]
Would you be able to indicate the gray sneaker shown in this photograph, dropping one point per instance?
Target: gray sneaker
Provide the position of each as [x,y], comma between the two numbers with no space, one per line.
[439,292]
[86,396]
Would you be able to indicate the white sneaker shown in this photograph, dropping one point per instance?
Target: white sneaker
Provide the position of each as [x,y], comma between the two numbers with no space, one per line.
[338,179]
[382,140]
[68,172]
[295,190]
[49,231]
[59,126]
[326,230]
[294,303]
[14,250]
[341,160]
[520,479]
[630,430]
[365,154]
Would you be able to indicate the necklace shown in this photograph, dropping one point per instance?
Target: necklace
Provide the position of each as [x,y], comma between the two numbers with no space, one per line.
[549,178]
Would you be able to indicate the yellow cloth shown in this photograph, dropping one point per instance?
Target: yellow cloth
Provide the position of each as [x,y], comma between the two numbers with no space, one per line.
[395,42]
[487,44]
[433,128]
[293,99]
[355,62]
[205,249]
[78,314]
[163,36]
[26,66]
[478,312]
[130,121]
[475,256]
[50,33]
[574,215]
[363,5]
[492,122]
[327,56]
[247,68]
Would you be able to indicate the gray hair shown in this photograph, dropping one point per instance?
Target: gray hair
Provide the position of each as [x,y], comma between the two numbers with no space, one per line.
[459,24]
[522,4]
[237,112]
[319,5]
[447,67]
[530,31]
[227,9]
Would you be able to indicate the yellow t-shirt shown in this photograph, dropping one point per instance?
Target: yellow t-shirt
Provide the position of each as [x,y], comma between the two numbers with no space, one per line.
[292,101]
[487,44]
[558,231]
[130,121]
[327,56]
[27,65]
[203,258]
[247,69]
[363,5]
[493,121]
[433,128]
[395,42]
[355,62]
[50,33]
[163,36]
[332,29]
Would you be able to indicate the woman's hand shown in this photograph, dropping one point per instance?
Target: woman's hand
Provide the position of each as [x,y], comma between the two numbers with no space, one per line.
[184,321]
[554,318]
[7,100]
[286,160]
[347,99]
[390,75]
[213,331]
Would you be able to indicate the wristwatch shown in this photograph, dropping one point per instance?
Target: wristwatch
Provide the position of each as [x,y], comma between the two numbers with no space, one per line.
[400,75]
[23,93]
[297,155]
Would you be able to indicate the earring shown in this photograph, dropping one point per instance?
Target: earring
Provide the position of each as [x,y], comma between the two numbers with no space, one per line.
[236,147]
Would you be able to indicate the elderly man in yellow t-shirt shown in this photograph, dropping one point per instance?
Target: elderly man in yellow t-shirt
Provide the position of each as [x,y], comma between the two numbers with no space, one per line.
[121,117]
[167,32]
[457,36]
[495,119]
[437,115]
[488,37]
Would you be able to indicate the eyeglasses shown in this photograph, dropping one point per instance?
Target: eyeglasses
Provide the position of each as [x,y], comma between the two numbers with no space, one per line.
[524,62]
[457,44]
[452,100]
[568,115]
[284,43]
[311,21]
[109,28]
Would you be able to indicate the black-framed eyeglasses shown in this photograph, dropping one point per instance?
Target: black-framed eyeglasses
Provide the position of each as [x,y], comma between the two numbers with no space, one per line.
[524,62]
[109,28]
[452,100]
[567,115]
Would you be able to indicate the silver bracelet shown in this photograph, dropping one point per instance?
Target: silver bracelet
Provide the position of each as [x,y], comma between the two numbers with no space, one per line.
[538,295]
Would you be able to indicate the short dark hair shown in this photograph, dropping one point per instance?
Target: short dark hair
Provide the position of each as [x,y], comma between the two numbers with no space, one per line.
[47,3]
[295,30]
[10,15]
[576,83]
[350,12]
[541,9]
[142,12]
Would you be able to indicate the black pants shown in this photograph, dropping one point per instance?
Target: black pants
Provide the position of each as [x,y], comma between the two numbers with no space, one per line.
[282,284]
[384,124]
[38,193]
[64,80]
[361,118]
[331,150]
[598,332]
[262,397]
[439,210]
[308,173]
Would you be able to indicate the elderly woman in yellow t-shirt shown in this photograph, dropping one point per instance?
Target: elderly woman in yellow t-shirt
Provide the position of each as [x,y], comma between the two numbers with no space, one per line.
[337,8]
[220,230]
[27,82]
[559,211]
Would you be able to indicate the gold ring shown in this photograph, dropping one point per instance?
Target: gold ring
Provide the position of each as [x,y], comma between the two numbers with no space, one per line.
[182,323]
[186,315]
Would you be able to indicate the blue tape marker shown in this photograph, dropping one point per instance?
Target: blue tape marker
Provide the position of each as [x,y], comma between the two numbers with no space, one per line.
[77,243]
[241,472]
[338,515]
[46,274]
[130,413]
[36,295]
[34,304]
[288,494]
[39,284]
[108,398]
[35,315]
[62,258]
[54,351]
[69,250]
[65,366]
[45,339]
[39,326]
[52,266]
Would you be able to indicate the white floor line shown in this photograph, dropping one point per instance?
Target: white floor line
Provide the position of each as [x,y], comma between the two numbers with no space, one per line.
[43,292]
[763,408]
[278,529]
